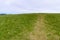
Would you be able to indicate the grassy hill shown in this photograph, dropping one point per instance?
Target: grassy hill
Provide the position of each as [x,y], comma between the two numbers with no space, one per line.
[30,27]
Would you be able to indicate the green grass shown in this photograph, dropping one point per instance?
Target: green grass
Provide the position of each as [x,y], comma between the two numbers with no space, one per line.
[16,25]
[53,25]
[54,21]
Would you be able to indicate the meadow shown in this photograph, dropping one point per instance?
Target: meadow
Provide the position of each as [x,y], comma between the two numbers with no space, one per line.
[30,27]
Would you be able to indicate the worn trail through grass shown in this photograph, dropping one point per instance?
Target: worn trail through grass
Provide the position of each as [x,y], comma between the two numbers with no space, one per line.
[39,31]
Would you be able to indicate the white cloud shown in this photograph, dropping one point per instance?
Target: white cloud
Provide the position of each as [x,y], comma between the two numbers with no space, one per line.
[8,2]
[21,6]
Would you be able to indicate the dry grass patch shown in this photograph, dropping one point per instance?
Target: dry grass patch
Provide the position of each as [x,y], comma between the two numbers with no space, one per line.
[39,30]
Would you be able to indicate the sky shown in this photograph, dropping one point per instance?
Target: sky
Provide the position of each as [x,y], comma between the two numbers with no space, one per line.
[29,6]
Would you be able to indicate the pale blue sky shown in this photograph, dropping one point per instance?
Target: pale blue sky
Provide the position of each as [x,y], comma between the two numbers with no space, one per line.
[29,6]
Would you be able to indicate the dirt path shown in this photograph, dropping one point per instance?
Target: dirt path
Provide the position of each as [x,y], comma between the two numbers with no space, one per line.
[39,32]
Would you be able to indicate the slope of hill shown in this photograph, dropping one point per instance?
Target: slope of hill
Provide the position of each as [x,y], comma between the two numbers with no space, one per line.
[30,27]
